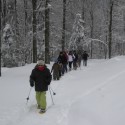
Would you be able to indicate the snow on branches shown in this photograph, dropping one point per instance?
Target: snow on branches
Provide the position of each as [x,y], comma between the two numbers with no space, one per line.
[77,36]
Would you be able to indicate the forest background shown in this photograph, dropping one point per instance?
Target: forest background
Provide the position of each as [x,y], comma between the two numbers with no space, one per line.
[35,29]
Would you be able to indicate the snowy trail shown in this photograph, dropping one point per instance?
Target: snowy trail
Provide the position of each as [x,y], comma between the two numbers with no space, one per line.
[92,110]
[105,83]
[82,96]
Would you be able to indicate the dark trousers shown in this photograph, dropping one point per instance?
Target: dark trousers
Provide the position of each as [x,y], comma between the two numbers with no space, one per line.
[84,62]
[70,65]
[64,68]
[56,75]
[74,65]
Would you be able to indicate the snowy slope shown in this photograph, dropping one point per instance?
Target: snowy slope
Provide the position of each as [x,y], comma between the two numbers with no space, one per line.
[92,95]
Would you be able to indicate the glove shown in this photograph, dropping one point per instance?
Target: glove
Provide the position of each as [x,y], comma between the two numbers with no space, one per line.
[31,83]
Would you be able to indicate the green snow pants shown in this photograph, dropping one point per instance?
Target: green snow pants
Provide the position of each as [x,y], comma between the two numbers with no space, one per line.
[41,99]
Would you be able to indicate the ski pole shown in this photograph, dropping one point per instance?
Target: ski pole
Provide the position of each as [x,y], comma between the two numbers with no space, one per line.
[53,91]
[51,96]
[28,95]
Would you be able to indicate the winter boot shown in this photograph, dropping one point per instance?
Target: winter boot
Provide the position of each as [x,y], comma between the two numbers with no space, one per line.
[42,111]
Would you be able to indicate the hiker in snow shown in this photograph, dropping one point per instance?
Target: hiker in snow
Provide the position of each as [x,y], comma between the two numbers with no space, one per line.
[56,70]
[75,60]
[65,61]
[70,60]
[62,61]
[79,59]
[85,58]
[41,78]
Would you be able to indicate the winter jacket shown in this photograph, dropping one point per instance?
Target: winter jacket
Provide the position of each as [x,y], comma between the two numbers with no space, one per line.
[79,57]
[75,57]
[70,58]
[62,59]
[41,77]
[85,56]
[55,68]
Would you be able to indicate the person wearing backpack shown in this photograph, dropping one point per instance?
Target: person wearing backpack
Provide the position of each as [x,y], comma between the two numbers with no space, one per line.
[75,60]
[70,60]
[56,70]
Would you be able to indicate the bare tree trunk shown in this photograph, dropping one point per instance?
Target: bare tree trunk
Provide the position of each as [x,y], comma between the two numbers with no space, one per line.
[16,26]
[25,27]
[124,33]
[47,32]
[0,32]
[64,25]
[25,11]
[106,36]
[4,13]
[34,23]
[110,28]
[92,28]
[105,51]
[124,20]
[83,9]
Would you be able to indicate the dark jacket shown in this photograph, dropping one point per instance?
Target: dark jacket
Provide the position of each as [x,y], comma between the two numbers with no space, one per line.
[85,56]
[62,59]
[41,77]
[76,57]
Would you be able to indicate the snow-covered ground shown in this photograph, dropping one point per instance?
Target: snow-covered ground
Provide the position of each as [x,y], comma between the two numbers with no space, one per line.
[92,95]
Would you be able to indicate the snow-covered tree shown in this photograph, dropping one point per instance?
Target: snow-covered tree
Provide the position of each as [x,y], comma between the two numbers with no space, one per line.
[8,47]
[77,37]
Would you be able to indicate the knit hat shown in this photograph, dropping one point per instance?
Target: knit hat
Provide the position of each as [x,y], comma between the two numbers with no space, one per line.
[41,62]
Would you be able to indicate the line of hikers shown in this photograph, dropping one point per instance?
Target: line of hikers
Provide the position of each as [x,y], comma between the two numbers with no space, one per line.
[41,76]
[68,61]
